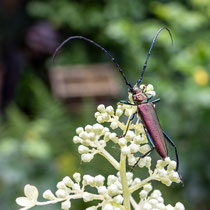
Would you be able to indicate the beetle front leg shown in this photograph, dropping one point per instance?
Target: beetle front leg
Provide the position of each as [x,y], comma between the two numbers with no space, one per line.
[131,118]
[147,153]
[176,154]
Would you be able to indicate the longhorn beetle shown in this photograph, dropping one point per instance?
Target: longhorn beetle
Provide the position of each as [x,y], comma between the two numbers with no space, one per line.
[156,136]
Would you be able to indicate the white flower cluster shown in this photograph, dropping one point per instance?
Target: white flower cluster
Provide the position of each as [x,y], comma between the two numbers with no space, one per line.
[116,194]
[154,200]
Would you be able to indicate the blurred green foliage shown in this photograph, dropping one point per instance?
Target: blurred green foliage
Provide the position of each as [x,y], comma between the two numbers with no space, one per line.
[37,148]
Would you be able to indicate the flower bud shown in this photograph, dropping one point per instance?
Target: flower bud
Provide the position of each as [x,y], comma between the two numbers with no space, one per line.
[119,112]
[79,130]
[88,128]
[99,180]
[61,193]
[101,108]
[114,125]
[118,199]
[102,190]
[66,205]
[110,110]
[143,194]
[77,177]
[67,181]
[179,206]
[49,195]
[83,149]
[87,196]
[87,157]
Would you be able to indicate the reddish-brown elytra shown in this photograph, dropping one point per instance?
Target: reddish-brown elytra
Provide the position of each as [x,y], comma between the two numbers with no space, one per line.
[156,136]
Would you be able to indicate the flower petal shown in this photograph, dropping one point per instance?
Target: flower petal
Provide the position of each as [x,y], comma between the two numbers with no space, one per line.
[23,201]
[31,192]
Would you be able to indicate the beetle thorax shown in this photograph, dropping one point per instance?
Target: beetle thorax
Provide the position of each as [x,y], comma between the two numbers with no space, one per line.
[139,96]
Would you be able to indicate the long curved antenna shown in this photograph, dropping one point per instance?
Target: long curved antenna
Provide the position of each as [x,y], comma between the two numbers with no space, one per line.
[97,45]
[153,42]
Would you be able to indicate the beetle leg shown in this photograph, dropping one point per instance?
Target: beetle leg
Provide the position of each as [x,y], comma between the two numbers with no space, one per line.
[142,156]
[156,101]
[176,154]
[131,118]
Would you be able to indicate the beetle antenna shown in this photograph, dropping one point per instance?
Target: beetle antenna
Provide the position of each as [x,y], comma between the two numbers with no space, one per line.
[97,45]
[153,42]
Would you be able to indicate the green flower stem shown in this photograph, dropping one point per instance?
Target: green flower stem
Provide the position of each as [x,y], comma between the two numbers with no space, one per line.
[133,202]
[109,157]
[142,183]
[126,193]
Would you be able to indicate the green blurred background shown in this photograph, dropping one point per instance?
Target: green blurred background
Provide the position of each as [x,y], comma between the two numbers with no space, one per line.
[36,129]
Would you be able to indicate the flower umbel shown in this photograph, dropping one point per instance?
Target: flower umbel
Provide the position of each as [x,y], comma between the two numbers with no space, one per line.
[115,192]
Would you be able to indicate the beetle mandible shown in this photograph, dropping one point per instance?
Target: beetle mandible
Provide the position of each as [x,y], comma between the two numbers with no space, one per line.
[145,108]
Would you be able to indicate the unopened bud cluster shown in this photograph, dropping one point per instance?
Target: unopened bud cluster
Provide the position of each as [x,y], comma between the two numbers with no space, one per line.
[92,140]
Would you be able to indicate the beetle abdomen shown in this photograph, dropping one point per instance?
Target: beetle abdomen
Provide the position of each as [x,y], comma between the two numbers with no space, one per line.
[152,125]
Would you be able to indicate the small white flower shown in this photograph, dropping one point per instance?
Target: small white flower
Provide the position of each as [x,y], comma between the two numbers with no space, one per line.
[113,189]
[114,125]
[107,136]
[142,162]
[134,147]
[108,207]
[88,128]
[105,130]
[143,194]
[169,207]
[76,187]
[105,116]
[87,157]
[130,135]
[97,114]
[61,193]
[161,206]
[153,202]
[79,130]
[101,108]
[83,149]
[153,93]
[77,177]
[110,110]
[148,187]
[97,128]
[122,142]
[179,206]
[144,149]
[99,180]
[61,185]
[147,206]
[49,195]
[83,135]
[77,140]
[171,166]
[136,181]
[87,196]
[100,119]
[31,196]
[88,180]
[126,150]
[149,87]
[118,199]
[119,112]
[111,179]
[68,182]
[102,190]
[131,160]
[66,205]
